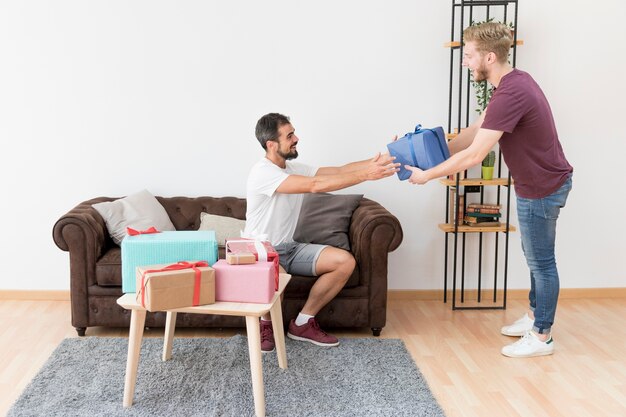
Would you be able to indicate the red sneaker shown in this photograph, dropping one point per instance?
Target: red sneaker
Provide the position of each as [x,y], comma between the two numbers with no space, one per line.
[267,337]
[311,332]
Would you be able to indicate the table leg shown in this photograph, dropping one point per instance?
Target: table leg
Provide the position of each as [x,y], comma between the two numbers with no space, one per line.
[279,334]
[168,339]
[256,365]
[137,321]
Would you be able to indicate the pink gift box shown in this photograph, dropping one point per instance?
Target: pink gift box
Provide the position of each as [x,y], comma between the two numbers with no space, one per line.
[236,246]
[252,283]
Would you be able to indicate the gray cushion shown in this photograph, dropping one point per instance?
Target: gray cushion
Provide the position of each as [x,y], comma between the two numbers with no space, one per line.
[325,219]
[138,211]
[225,227]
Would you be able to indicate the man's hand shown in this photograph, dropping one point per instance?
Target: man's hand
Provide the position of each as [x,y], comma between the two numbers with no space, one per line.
[418,176]
[381,166]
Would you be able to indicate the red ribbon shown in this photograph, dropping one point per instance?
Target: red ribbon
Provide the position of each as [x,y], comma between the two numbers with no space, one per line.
[133,232]
[177,267]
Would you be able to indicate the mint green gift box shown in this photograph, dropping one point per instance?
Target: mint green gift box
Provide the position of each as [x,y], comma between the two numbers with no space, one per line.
[165,248]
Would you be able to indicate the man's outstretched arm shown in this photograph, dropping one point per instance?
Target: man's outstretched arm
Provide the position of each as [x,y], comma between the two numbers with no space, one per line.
[466,137]
[332,179]
[485,140]
[344,169]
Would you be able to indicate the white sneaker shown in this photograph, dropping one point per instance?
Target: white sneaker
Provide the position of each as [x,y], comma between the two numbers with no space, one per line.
[528,346]
[519,328]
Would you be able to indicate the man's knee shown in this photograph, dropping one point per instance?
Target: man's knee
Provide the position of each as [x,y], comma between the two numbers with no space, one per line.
[335,259]
[348,261]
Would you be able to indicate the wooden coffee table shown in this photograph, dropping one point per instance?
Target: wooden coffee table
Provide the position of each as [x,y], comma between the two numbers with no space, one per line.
[251,311]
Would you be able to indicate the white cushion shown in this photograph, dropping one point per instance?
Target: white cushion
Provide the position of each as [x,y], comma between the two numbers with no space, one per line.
[225,227]
[138,211]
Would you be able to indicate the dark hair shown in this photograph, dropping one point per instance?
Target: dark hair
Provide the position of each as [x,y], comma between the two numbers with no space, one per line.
[267,127]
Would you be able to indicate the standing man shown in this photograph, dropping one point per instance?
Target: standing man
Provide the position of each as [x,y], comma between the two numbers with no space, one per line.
[274,196]
[519,118]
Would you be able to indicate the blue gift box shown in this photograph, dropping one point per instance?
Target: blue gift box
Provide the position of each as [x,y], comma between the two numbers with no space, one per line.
[165,248]
[424,148]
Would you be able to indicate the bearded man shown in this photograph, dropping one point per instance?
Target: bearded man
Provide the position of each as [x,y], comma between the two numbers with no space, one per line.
[518,118]
[274,193]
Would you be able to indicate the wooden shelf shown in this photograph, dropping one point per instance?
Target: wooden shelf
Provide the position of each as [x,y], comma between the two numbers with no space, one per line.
[457,44]
[454,134]
[455,198]
[449,228]
[475,181]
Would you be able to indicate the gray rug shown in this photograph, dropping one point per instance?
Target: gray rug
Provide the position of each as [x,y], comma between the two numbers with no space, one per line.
[211,377]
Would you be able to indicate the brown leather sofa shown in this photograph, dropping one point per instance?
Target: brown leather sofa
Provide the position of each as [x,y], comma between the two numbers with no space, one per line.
[95,267]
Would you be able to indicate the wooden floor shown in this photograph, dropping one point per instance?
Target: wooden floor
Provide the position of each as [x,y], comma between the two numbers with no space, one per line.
[457,352]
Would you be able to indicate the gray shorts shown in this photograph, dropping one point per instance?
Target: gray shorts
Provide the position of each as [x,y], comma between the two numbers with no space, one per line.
[299,258]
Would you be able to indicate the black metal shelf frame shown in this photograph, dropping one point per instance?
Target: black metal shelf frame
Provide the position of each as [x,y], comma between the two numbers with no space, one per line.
[462,15]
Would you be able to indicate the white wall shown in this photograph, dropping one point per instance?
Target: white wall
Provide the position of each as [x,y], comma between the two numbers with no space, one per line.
[107,98]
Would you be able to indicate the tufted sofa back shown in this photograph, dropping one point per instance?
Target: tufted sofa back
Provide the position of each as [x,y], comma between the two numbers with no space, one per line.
[185,211]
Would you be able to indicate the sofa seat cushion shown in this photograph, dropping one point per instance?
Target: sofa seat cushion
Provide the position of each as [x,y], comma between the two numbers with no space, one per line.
[299,287]
[109,268]
[109,274]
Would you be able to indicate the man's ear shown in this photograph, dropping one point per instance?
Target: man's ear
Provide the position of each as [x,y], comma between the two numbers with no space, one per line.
[271,145]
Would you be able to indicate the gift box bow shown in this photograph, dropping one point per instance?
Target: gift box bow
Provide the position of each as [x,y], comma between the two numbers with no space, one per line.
[178,266]
[133,232]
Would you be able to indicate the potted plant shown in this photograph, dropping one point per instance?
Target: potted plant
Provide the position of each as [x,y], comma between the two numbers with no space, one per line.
[487,165]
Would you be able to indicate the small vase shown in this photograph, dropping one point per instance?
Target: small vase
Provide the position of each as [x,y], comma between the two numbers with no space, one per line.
[487,173]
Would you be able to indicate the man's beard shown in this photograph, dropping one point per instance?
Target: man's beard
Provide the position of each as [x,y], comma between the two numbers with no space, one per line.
[288,155]
[480,74]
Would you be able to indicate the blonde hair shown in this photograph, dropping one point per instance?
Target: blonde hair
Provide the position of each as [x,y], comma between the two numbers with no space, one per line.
[490,37]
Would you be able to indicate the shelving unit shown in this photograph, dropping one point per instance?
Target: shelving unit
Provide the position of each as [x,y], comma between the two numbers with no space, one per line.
[464,12]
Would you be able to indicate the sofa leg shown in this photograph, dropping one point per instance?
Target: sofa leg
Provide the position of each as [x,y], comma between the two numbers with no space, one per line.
[81,331]
[376,331]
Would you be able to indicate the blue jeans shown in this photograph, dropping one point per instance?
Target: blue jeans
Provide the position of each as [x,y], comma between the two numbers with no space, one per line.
[537,223]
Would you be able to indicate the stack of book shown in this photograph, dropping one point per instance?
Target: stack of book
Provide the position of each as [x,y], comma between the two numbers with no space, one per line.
[482,215]
[456,211]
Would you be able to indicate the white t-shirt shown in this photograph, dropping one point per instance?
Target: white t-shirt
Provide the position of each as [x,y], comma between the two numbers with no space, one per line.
[268,212]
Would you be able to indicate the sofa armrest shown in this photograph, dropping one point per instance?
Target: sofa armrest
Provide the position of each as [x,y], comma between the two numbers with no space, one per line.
[82,232]
[374,232]
[82,225]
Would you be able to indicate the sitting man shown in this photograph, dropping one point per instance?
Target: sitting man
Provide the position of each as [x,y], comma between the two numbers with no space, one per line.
[274,196]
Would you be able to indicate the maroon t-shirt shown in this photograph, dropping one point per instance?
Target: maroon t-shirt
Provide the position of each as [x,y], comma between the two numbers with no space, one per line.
[529,144]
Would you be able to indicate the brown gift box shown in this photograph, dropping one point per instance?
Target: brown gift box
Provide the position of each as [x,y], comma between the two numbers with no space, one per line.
[242,258]
[166,290]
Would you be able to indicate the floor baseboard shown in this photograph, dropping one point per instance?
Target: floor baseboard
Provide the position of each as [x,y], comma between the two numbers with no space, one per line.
[570,293]
[35,295]
[565,293]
